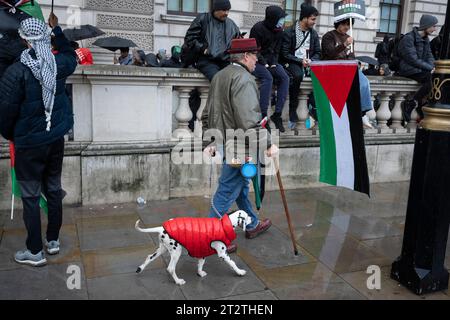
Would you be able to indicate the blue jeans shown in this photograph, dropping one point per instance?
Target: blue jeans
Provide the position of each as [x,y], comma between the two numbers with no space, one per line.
[364,90]
[268,76]
[233,187]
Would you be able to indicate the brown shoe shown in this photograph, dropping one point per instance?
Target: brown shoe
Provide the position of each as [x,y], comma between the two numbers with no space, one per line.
[231,248]
[262,226]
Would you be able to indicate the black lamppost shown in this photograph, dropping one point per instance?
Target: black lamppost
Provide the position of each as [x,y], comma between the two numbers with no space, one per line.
[420,266]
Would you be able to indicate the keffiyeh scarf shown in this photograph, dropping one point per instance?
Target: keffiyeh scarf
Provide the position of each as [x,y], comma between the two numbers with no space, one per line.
[44,69]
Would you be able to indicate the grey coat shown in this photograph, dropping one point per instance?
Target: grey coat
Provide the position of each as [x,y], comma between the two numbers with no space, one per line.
[415,54]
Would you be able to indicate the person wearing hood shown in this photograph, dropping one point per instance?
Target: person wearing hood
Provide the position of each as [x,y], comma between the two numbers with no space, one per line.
[175,60]
[382,51]
[417,62]
[269,35]
[36,114]
[300,46]
[209,37]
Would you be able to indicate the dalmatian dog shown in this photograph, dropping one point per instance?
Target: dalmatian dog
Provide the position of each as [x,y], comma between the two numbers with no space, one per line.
[180,232]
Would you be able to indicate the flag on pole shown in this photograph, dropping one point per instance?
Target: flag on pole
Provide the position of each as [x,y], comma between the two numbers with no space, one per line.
[342,150]
[15,184]
[30,7]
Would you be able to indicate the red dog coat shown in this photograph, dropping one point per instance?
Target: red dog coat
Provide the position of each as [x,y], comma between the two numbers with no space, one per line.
[197,234]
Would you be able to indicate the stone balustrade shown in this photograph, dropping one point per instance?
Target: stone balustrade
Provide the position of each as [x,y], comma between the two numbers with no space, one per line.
[118,103]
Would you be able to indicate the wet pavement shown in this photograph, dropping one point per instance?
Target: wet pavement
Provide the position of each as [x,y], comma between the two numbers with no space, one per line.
[339,234]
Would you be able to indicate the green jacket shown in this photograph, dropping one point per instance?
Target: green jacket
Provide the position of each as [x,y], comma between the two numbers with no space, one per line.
[233,103]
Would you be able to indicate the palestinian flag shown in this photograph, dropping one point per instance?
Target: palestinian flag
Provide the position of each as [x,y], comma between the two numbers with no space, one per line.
[342,150]
[15,184]
[30,7]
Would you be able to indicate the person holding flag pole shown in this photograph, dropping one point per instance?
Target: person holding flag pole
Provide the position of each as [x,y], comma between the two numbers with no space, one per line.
[338,45]
[36,114]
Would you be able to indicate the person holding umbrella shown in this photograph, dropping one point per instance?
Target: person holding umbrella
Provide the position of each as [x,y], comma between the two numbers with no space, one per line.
[125,58]
[36,114]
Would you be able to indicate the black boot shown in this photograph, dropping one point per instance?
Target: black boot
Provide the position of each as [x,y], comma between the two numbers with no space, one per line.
[276,119]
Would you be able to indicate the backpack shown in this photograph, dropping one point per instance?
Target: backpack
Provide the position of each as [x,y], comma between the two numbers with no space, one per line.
[394,55]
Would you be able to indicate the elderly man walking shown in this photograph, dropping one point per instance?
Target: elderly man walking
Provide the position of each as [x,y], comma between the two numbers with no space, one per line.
[36,114]
[233,104]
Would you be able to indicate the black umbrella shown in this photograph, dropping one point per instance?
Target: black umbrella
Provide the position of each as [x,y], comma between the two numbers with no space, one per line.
[83,32]
[7,22]
[368,60]
[114,43]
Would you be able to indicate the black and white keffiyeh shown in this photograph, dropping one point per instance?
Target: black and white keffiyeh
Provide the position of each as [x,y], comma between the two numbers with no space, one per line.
[44,69]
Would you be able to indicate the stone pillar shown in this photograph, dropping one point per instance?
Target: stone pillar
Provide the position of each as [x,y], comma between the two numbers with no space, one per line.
[383,113]
[183,113]
[204,98]
[397,114]
[303,113]
[412,124]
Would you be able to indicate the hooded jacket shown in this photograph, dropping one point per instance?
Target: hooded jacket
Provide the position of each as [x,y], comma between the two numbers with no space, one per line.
[21,106]
[268,37]
[197,234]
[382,51]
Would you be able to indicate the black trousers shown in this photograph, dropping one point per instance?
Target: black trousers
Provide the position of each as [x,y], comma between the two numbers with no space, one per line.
[38,170]
[210,68]
[424,79]
[296,73]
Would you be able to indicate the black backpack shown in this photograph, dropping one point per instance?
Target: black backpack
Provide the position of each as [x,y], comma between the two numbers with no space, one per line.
[394,55]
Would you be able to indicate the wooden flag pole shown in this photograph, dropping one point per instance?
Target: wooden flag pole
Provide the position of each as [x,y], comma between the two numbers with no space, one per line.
[286,209]
[53,2]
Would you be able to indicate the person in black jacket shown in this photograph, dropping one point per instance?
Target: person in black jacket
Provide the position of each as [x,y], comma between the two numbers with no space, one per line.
[417,62]
[209,37]
[269,35]
[300,46]
[174,61]
[436,43]
[382,51]
[36,114]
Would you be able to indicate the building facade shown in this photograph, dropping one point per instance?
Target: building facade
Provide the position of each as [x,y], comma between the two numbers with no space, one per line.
[156,24]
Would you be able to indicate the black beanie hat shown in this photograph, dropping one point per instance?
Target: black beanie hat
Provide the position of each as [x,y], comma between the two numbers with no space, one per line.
[221,5]
[307,10]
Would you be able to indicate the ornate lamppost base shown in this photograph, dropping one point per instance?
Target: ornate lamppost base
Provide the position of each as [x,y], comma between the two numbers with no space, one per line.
[420,267]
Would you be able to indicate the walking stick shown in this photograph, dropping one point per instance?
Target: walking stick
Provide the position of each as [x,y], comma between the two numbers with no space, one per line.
[286,209]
